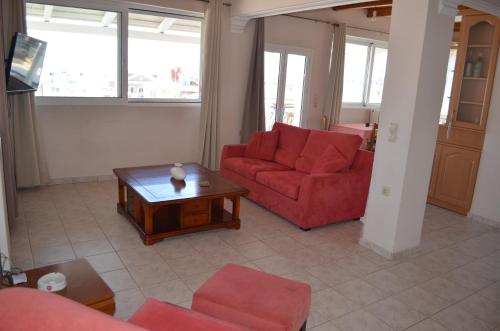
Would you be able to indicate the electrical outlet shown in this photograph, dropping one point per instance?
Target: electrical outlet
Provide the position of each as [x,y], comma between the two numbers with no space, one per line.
[386,190]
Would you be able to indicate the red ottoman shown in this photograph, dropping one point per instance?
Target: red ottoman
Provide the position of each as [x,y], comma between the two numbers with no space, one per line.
[254,299]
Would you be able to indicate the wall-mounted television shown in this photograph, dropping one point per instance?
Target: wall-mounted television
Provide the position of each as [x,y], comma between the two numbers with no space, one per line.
[24,65]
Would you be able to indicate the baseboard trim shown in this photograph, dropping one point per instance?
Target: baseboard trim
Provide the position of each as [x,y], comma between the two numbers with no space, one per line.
[484,220]
[384,252]
[75,180]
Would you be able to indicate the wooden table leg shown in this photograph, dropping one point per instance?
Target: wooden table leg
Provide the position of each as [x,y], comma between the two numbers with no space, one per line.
[121,194]
[138,209]
[148,224]
[236,211]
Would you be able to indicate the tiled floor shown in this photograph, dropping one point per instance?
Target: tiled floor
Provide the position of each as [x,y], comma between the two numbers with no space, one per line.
[452,283]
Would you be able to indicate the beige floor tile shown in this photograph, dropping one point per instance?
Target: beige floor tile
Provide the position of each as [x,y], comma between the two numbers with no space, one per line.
[105,262]
[119,280]
[138,257]
[492,292]
[190,265]
[305,277]
[467,279]
[57,237]
[457,319]
[331,304]
[174,248]
[328,326]
[151,274]
[446,289]
[410,273]
[357,265]
[482,308]
[195,281]
[427,325]
[255,250]
[360,292]
[91,233]
[395,313]
[423,301]
[221,258]
[387,282]
[331,274]
[52,254]
[174,291]
[128,302]
[277,265]
[485,270]
[236,238]
[361,321]
[283,244]
[307,258]
[93,247]
[122,242]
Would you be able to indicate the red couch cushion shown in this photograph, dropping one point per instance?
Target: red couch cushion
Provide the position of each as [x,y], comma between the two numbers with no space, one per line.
[330,161]
[284,182]
[263,302]
[291,142]
[158,316]
[262,145]
[248,167]
[318,142]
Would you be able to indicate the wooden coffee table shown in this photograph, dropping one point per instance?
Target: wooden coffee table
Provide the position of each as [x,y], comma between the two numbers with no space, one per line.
[160,206]
[84,285]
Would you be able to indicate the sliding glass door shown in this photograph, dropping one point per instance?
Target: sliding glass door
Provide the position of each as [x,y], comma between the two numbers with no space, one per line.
[286,73]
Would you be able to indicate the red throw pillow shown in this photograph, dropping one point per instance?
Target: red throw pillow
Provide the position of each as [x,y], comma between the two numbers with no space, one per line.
[262,145]
[330,161]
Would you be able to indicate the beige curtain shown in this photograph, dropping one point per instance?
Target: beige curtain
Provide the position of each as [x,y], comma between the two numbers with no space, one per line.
[7,143]
[29,168]
[210,95]
[254,116]
[333,101]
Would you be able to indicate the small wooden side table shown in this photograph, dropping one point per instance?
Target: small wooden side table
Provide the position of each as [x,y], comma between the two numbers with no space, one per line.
[84,285]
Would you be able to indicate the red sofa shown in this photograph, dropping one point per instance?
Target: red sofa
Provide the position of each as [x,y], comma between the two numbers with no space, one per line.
[287,185]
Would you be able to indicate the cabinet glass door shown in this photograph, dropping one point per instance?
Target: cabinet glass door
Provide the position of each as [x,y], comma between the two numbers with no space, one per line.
[471,107]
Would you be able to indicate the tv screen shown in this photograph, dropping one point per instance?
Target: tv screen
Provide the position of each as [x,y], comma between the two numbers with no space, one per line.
[24,65]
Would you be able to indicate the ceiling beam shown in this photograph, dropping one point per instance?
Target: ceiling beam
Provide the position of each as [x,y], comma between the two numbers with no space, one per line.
[165,24]
[368,4]
[108,18]
[381,11]
[47,12]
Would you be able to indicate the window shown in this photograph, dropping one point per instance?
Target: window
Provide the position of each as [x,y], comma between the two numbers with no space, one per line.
[364,72]
[163,57]
[447,88]
[82,50]
[285,85]
[127,54]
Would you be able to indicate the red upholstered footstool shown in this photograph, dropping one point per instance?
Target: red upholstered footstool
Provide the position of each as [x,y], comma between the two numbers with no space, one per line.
[254,299]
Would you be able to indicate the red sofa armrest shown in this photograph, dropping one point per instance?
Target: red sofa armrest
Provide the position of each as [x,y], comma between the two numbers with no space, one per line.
[232,151]
[154,315]
[323,195]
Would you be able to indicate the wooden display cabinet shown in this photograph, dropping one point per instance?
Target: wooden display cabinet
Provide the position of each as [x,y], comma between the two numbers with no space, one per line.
[460,139]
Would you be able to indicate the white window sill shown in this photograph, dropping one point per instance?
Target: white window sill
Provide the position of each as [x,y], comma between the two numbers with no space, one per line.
[63,101]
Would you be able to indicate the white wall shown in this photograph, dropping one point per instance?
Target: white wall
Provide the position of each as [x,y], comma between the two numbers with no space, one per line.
[83,141]
[487,192]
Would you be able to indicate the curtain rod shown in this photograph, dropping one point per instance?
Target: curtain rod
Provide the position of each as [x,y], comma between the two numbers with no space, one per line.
[330,23]
[225,3]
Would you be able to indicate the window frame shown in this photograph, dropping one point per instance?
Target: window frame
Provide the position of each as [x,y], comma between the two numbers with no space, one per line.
[370,58]
[123,9]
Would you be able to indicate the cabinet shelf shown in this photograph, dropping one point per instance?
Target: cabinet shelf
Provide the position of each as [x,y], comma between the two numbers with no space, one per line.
[474,78]
[471,103]
[479,45]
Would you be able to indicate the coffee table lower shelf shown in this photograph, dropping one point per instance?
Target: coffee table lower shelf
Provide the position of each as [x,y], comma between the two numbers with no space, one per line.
[177,219]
